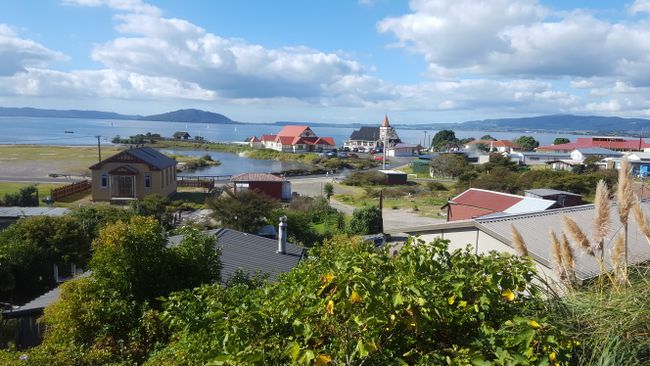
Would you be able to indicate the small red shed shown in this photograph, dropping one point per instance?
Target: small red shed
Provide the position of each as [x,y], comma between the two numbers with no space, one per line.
[268,184]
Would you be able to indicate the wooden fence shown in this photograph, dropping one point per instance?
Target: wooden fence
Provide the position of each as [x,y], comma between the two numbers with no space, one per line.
[196,183]
[74,188]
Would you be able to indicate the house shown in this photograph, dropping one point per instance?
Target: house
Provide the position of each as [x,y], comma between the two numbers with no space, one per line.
[563,198]
[606,142]
[394,177]
[133,174]
[268,184]
[239,253]
[367,137]
[495,233]
[502,146]
[476,202]
[537,157]
[253,254]
[581,154]
[11,214]
[296,139]
[402,149]
[253,142]
[181,135]
[640,162]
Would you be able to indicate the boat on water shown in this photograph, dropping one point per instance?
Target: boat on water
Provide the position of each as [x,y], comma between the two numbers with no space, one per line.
[68,131]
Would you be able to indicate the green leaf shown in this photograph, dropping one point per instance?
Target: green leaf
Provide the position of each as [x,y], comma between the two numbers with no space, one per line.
[397,299]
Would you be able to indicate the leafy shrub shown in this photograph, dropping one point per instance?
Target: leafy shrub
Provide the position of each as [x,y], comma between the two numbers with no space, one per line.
[436,186]
[354,306]
[365,221]
[365,178]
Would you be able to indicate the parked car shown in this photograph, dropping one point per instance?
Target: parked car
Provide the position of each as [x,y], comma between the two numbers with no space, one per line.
[353,156]
[356,149]
[346,149]
[372,151]
[379,158]
[332,154]
[343,155]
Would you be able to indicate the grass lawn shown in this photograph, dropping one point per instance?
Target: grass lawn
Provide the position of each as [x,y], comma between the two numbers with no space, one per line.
[43,188]
[424,202]
[39,161]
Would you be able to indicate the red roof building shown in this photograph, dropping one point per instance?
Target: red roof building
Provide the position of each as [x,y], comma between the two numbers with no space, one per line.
[297,139]
[268,184]
[479,202]
[611,143]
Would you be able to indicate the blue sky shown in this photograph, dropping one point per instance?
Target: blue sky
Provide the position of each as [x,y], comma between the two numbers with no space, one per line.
[329,61]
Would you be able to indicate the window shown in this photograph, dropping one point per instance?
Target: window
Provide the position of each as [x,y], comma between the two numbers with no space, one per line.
[147,180]
[104,180]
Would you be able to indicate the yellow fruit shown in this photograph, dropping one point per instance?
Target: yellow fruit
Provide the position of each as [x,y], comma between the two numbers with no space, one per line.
[329,308]
[322,360]
[533,324]
[508,294]
[355,298]
[552,357]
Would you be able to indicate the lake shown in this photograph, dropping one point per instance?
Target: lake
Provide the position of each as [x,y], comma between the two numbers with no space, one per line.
[233,164]
[51,131]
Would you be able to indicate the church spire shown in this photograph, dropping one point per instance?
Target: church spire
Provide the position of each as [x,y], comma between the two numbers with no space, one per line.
[385,122]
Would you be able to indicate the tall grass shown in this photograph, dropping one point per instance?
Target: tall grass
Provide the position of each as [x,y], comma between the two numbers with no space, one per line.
[612,326]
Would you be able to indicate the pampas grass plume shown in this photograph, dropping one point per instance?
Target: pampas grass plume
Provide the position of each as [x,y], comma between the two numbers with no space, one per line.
[577,234]
[601,222]
[518,242]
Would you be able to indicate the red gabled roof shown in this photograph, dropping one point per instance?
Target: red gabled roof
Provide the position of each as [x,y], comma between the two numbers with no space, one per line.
[613,143]
[268,137]
[488,200]
[504,143]
[325,141]
[285,140]
[256,177]
[292,130]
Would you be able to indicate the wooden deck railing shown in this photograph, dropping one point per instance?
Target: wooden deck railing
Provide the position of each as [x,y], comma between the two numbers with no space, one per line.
[70,189]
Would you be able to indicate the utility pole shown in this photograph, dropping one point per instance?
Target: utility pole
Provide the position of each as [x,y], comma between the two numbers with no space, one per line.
[99,147]
[385,148]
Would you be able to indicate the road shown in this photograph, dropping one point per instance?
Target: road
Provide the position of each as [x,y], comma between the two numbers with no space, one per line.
[393,219]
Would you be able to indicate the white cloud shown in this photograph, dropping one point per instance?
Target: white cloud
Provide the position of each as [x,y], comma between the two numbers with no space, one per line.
[135,6]
[18,53]
[513,38]
[639,6]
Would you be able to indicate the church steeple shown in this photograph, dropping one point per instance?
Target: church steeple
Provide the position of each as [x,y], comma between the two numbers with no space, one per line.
[385,122]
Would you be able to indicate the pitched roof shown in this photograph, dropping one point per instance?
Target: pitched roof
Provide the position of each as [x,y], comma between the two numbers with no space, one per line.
[504,143]
[534,229]
[180,134]
[385,122]
[365,134]
[153,158]
[15,211]
[549,192]
[256,177]
[268,137]
[325,141]
[598,151]
[292,130]
[484,200]
[251,253]
[614,143]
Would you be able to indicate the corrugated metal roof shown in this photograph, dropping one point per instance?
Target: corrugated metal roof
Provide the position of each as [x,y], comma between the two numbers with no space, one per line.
[256,177]
[251,253]
[494,201]
[549,192]
[535,227]
[152,157]
[529,204]
[14,211]
[365,134]
[599,151]
[292,130]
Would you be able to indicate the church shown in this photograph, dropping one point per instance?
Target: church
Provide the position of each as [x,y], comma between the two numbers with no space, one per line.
[367,138]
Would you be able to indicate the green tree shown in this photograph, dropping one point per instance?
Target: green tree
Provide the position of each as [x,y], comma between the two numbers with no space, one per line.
[365,221]
[444,140]
[29,250]
[354,305]
[25,197]
[488,137]
[157,206]
[245,211]
[329,190]
[561,140]
[528,143]
[111,316]
[449,165]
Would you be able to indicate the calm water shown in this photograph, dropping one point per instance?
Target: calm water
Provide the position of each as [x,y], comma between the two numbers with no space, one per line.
[232,164]
[50,131]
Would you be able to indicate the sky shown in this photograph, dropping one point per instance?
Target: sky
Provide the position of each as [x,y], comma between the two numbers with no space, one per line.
[340,61]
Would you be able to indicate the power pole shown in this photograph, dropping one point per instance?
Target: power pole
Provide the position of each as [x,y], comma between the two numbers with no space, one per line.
[99,147]
[385,149]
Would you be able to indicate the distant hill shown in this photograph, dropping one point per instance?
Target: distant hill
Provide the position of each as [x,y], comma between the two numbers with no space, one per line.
[190,116]
[554,123]
[35,112]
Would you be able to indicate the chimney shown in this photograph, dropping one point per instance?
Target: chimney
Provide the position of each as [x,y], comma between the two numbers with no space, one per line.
[282,235]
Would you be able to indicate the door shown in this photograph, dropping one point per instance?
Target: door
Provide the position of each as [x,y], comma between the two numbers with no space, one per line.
[124,186]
